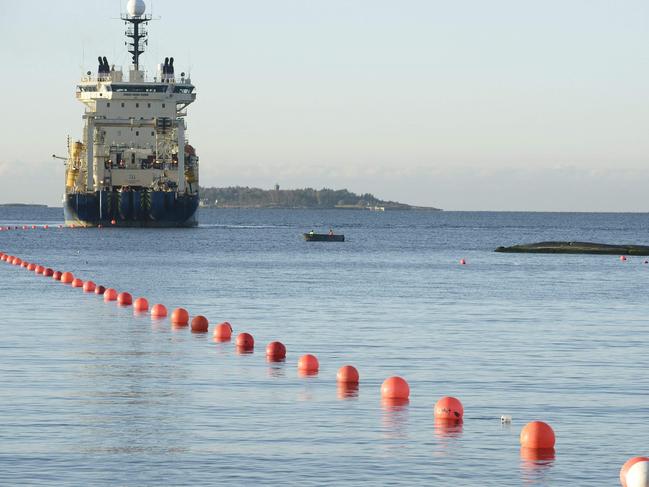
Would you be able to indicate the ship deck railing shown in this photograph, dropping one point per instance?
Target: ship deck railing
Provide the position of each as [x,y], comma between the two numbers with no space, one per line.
[155,79]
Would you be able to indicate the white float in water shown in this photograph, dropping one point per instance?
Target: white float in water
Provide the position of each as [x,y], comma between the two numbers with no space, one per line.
[638,475]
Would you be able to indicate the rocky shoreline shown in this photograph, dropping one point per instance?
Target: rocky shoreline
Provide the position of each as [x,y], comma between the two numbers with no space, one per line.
[576,248]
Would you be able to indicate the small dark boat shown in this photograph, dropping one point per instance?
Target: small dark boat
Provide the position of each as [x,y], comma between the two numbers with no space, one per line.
[323,237]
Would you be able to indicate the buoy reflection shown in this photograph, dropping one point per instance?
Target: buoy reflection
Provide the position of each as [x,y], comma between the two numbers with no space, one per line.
[347,390]
[395,417]
[448,428]
[307,373]
[535,462]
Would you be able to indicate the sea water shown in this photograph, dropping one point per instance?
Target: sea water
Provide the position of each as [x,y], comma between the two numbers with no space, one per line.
[93,395]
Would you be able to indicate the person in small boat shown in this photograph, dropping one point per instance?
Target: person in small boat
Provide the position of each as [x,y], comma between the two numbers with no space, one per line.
[311,233]
[331,232]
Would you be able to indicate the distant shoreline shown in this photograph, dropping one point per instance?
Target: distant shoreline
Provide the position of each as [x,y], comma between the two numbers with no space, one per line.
[348,208]
[241,197]
[23,205]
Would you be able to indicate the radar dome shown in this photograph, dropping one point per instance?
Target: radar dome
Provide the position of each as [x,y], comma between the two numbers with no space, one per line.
[135,8]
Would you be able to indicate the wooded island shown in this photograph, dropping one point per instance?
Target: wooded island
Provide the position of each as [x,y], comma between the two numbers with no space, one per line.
[245,197]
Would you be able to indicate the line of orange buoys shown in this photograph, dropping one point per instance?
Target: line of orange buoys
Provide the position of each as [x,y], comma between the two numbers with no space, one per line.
[537,438]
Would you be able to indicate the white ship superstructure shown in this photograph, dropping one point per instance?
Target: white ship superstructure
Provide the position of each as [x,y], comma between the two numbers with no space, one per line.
[133,164]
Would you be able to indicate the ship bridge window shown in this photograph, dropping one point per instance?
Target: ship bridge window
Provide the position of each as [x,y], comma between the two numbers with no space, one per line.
[128,88]
[87,88]
[183,89]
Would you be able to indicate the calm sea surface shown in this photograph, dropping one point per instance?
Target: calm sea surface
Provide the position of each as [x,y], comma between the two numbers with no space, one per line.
[92,395]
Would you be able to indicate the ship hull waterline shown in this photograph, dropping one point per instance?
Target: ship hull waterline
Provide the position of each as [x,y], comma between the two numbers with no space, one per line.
[159,209]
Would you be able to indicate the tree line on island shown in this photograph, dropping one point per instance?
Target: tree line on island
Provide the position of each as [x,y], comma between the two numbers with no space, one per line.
[246,197]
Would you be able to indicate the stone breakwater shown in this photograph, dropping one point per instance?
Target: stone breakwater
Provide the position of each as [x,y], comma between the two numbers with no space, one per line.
[576,248]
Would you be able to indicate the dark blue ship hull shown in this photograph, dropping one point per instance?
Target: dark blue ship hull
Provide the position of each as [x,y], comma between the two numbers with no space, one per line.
[131,209]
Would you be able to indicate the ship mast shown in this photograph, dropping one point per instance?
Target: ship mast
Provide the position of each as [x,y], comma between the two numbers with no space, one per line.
[136,21]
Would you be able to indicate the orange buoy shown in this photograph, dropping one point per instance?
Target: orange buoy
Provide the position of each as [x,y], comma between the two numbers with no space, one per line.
[308,363]
[158,311]
[200,324]
[31,267]
[113,222]
[140,304]
[46,227]
[622,258]
[56,276]
[39,270]
[395,388]
[124,299]
[67,277]
[100,290]
[24,264]
[222,332]
[275,351]
[449,408]
[89,287]
[245,341]
[627,465]
[48,272]
[537,434]
[17,261]
[180,317]
[347,374]
[462,262]
[76,282]
[110,294]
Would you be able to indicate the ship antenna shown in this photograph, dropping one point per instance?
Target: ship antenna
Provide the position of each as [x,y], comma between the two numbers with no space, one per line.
[136,20]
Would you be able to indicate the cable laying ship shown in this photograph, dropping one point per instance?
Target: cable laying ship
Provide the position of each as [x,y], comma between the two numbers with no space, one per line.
[134,166]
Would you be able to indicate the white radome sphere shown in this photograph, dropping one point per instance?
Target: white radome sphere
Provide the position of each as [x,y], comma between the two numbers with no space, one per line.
[638,475]
[135,8]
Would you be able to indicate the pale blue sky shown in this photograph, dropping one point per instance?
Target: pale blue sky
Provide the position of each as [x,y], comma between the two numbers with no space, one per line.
[487,105]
